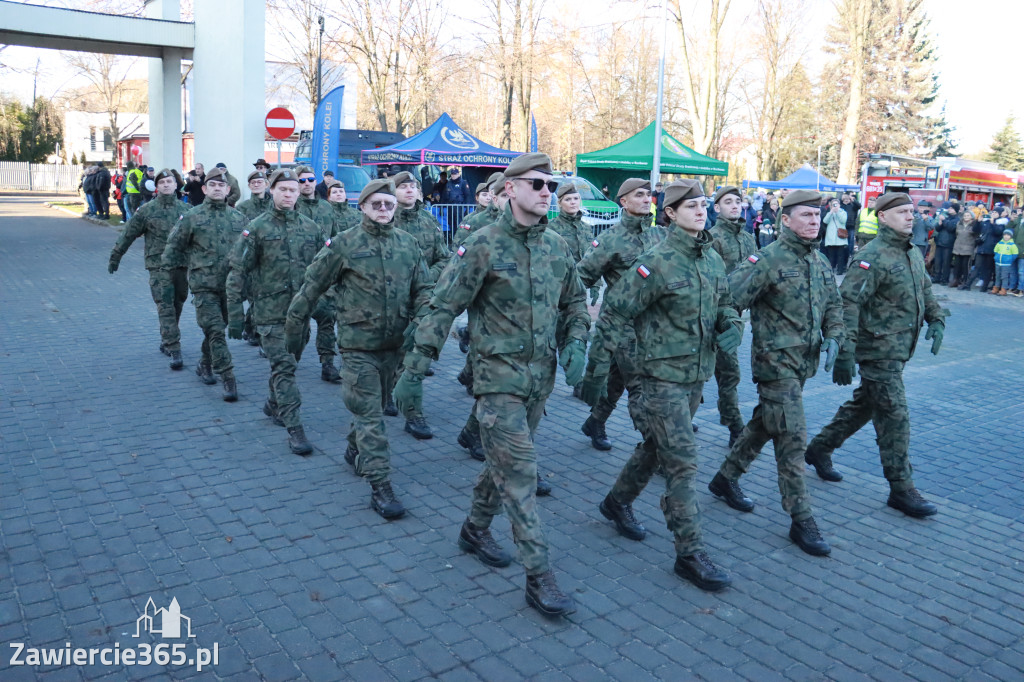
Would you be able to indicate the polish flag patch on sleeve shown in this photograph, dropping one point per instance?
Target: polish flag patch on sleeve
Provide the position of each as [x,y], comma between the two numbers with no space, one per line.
[462,250]
[644,272]
[245,233]
[753,258]
[864,264]
[464,226]
[327,243]
[594,243]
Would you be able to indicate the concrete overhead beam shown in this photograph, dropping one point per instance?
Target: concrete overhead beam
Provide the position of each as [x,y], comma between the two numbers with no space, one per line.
[68,29]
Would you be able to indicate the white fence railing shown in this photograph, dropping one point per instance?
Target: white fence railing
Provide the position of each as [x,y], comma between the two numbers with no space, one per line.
[39,177]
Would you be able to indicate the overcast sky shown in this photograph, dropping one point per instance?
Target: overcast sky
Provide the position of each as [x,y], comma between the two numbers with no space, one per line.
[979,57]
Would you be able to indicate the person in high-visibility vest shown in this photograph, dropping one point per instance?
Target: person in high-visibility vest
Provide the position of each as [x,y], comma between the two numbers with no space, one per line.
[867,224]
[133,188]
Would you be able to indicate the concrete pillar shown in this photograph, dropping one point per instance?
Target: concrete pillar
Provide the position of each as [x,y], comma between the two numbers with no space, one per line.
[228,82]
[165,95]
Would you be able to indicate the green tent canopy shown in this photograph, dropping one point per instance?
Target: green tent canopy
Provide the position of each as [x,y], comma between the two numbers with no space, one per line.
[637,154]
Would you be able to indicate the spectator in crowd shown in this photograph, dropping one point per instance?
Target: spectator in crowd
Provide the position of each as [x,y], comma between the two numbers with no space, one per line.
[133,188]
[978,209]
[834,242]
[765,233]
[426,183]
[117,183]
[101,188]
[321,187]
[148,188]
[87,184]
[757,202]
[605,190]
[1018,239]
[963,247]
[1005,256]
[658,200]
[457,191]
[867,224]
[748,213]
[988,234]
[194,185]
[440,187]
[852,207]
[924,225]
[262,166]
[945,228]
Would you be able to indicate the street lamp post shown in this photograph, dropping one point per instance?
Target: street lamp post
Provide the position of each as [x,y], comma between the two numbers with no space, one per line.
[319,60]
[656,164]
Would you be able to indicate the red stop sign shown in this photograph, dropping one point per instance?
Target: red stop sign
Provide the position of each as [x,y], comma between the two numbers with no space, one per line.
[280,123]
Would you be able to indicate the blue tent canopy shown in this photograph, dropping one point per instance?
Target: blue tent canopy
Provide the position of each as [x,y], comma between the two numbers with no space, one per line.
[804,177]
[442,144]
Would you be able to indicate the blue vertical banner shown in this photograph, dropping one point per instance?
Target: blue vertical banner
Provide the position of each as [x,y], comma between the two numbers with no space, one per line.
[326,127]
[533,133]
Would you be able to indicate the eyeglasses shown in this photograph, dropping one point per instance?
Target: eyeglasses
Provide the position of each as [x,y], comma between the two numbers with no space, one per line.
[381,205]
[303,181]
[538,183]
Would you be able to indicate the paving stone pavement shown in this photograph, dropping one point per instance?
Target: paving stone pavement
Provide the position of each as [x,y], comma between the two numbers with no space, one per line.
[122,481]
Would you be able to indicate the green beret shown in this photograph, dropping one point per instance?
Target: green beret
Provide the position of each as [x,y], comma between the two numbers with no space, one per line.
[378,186]
[631,185]
[727,189]
[498,184]
[802,197]
[282,174]
[680,190]
[495,176]
[165,173]
[482,187]
[892,200]
[528,162]
[331,183]
[220,174]
[403,177]
[568,187]
[253,176]
[299,170]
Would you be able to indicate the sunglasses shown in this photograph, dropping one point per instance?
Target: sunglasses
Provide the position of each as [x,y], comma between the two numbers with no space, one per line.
[303,181]
[538,183]
[381,205]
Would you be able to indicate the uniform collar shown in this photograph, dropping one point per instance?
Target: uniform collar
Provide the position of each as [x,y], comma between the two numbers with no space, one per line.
[309,200]
[166,200]
[408,213]
[891,237]
[216,204]
[635,224]
[733,227]
[684,243]
[571,217]
[283,214]
[375,228]
[795,243]
[526,233]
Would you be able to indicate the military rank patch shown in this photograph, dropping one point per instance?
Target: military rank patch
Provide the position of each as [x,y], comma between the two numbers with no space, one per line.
[644,272]
[462,250]
[864,264]
[753,258]
[594,243]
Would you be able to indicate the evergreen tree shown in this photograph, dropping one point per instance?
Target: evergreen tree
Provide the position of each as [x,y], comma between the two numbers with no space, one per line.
[1006,147]
[941,137]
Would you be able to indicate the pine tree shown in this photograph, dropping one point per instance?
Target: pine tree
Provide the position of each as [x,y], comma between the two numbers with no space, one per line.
[1006,147]
[941,137]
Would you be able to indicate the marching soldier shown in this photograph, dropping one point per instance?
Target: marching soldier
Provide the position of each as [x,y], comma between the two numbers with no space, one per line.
[516,279]
[570,226]
[345,217]
[490,213]
[609,256]
[887,297]
[795,313]
[168,286]
[734,244]
[272,257]
[202,239]
[382,285]
[259,201]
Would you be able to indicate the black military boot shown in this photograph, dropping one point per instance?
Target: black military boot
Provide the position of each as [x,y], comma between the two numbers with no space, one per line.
[163,349]
[176,362]
[595,430]
[329,373]
[419,428]
[297,442]
[822,464]
[543,594]
[384,502]
[464,339]
[543,487]
[270,409]
[466,379]
[577,391]
[230,388]
[471,441]
[729,491]
[807,537]
[205,373]
[622,516]
[429,372]
[911,503]
[700,570]
[479,541]
[390,409]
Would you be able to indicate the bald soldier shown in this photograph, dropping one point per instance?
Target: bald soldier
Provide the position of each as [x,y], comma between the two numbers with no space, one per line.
[887,297]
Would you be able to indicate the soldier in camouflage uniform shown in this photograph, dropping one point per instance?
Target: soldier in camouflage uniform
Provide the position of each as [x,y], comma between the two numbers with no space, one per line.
[202,239]
[345,217]
[795,313]
[887,296]
[609,255]
[734,244]
[489,214]
[676,297]
[321,213]
[483,200]
[382,285]
[516,279]
[570,226]
[168,286]
[259,201]
[271,257]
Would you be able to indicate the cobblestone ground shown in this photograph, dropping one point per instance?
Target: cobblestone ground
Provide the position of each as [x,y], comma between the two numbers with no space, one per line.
[122,481]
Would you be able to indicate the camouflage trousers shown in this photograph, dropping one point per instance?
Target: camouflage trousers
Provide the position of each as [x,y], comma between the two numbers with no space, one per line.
[509,477]
[622,377]
[879,399]
[247,294]
[727,375]
[670,442]
[778,417]
[212,315]
[363,374]
[170,291]
[284,391]
[326,338]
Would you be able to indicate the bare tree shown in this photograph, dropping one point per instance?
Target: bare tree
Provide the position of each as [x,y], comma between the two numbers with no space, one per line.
[108,75]
[702,76]
[298,28]
[853,30]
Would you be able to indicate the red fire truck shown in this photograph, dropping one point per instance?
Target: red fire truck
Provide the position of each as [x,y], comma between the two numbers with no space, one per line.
[945,178]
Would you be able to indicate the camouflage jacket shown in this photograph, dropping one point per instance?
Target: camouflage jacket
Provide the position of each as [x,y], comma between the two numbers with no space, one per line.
[154,220]
[517,282]
[474,221]
[273,253]
[676,296]
[793,300]
[253,206]
[234,193]
[202,240]
[732,242]
[887,296]
[319,211]
[615,249]
[427,231]
[574,231]
[381,282]
[345,217]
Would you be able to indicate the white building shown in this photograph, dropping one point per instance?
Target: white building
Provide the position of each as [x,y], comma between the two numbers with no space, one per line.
[89,132]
